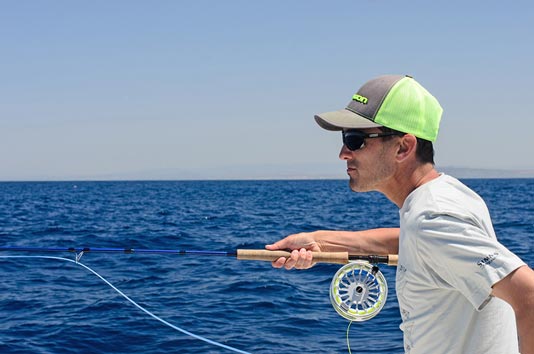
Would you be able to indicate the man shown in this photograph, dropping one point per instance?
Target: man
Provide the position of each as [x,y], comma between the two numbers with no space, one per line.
[458,288]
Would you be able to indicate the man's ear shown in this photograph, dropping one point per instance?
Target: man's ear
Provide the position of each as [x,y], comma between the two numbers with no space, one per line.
[407,147]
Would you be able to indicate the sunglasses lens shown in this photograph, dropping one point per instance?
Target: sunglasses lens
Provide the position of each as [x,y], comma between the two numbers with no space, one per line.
[353,140]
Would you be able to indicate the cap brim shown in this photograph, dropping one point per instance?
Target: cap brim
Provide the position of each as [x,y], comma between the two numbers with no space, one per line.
[343,119]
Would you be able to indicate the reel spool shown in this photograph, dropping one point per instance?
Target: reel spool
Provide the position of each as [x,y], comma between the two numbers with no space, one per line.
[358,291]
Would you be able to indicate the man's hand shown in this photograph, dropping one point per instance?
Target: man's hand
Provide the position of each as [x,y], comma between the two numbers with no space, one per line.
[302,246]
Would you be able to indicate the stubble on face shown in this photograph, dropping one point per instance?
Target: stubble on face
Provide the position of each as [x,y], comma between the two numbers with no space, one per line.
[371,169]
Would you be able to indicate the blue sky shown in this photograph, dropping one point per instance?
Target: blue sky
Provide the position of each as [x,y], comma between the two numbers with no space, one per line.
[178,89]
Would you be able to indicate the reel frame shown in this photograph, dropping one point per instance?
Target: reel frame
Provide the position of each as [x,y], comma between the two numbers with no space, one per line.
[358,291]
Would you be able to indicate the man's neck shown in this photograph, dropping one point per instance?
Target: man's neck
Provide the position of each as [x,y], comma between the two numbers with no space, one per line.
[407,180]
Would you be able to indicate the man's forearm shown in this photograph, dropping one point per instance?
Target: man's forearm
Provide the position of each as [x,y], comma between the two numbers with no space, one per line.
[517,288]
[373,241]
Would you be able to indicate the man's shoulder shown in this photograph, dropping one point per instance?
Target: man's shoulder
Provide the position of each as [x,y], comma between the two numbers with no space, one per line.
[444,195]
[447,191]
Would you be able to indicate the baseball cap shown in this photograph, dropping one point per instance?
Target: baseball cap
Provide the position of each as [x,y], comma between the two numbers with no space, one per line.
[394,101]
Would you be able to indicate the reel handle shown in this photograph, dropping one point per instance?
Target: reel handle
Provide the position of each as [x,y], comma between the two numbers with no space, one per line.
[271,256]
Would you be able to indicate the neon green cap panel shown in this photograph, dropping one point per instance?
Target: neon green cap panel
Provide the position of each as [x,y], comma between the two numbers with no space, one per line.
[410,108]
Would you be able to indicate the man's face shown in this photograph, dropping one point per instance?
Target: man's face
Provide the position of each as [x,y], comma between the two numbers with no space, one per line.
[371,166]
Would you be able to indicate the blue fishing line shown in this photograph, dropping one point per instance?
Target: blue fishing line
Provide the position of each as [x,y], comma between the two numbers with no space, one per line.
[196,336]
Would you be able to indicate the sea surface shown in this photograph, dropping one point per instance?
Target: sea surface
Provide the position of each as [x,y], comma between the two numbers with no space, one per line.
[54,306]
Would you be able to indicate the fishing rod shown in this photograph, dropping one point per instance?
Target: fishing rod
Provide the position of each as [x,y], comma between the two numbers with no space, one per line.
[241,254]
[358,290]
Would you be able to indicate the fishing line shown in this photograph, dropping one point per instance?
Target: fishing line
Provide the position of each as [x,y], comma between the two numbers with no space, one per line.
[358,290]
[196,336]
[348,340]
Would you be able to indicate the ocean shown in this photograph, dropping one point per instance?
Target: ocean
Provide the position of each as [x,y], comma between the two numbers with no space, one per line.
[55,306]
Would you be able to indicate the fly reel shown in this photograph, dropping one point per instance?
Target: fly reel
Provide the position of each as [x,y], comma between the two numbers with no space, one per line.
[358,291]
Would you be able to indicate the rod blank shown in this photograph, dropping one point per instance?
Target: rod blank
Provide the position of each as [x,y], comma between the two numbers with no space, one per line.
[241,254]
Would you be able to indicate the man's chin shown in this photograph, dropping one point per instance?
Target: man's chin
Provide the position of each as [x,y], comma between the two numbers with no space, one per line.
[355,187]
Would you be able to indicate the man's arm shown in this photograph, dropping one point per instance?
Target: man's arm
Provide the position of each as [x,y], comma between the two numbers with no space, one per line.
[375,241]
[518,290]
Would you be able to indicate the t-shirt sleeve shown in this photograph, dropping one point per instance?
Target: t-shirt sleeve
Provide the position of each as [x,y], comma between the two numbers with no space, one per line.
[463,256]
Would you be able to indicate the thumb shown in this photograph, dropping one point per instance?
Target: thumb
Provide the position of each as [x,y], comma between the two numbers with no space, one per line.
[279,245]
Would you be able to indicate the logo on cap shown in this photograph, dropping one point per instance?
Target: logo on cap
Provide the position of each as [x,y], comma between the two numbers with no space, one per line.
[360,99]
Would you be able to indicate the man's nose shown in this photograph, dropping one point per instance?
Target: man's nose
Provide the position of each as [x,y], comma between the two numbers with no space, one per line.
[345,153]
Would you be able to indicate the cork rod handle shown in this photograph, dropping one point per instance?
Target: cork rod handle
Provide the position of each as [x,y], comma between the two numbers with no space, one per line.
[319,257]
[265,255]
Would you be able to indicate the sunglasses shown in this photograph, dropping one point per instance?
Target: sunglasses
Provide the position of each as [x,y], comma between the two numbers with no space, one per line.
[355,139]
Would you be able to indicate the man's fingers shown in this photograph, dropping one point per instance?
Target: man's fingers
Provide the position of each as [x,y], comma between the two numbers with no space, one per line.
[305,259]
[279,263]
[292,260]
[300,259]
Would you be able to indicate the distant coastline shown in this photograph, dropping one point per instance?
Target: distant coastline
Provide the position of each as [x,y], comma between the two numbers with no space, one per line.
[264,172]
[462,172]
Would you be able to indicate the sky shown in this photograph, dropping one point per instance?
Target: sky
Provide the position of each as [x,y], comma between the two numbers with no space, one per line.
[228,89]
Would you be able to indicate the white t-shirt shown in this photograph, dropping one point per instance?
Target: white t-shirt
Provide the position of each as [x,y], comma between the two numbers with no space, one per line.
[449,258]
